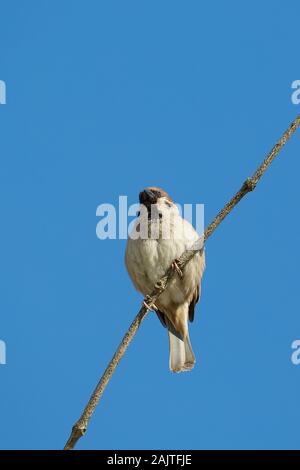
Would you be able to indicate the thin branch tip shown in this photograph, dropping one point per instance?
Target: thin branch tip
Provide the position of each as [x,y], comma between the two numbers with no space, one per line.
[77,432]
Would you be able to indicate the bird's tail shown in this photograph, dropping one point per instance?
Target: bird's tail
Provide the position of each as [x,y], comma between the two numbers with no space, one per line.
[182,358]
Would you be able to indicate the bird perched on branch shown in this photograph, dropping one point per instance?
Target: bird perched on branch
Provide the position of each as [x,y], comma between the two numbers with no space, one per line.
[159,236]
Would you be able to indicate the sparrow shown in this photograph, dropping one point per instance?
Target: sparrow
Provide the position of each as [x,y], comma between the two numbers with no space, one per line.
[158,237]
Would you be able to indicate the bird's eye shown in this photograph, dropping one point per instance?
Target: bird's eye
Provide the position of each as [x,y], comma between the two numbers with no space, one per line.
[138,213]
[160,215]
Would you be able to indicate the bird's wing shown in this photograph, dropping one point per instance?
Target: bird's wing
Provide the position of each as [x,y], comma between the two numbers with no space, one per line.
[161,317]
[194,300]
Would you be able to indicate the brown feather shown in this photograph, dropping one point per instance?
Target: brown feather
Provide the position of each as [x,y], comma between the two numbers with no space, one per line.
[161,317]
[160,192]
[195,299]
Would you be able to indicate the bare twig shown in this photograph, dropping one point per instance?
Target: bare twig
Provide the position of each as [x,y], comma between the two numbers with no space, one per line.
[80,426]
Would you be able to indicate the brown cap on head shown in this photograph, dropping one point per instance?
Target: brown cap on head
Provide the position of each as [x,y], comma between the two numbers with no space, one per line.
[151,194]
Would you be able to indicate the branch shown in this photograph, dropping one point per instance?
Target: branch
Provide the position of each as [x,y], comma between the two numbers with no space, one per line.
[81,425]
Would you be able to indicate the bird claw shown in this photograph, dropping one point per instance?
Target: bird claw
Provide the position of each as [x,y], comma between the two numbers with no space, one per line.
[146,305]
[149,306]
[175,266]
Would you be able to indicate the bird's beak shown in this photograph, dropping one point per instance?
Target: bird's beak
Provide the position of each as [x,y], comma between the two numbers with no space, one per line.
[147,197]
[150,196]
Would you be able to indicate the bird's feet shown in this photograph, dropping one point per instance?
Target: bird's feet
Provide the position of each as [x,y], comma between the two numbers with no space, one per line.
[175,266]
[148,304]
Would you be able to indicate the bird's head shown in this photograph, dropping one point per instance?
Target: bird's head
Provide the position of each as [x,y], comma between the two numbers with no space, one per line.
[156,201]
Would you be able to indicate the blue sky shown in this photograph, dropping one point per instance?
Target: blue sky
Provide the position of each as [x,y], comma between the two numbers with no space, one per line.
[103,99]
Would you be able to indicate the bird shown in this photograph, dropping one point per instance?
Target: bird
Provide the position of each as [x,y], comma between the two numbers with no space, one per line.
[158,238]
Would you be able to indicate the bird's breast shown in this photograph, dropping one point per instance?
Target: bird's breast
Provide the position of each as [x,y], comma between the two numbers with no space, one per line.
[148,259]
